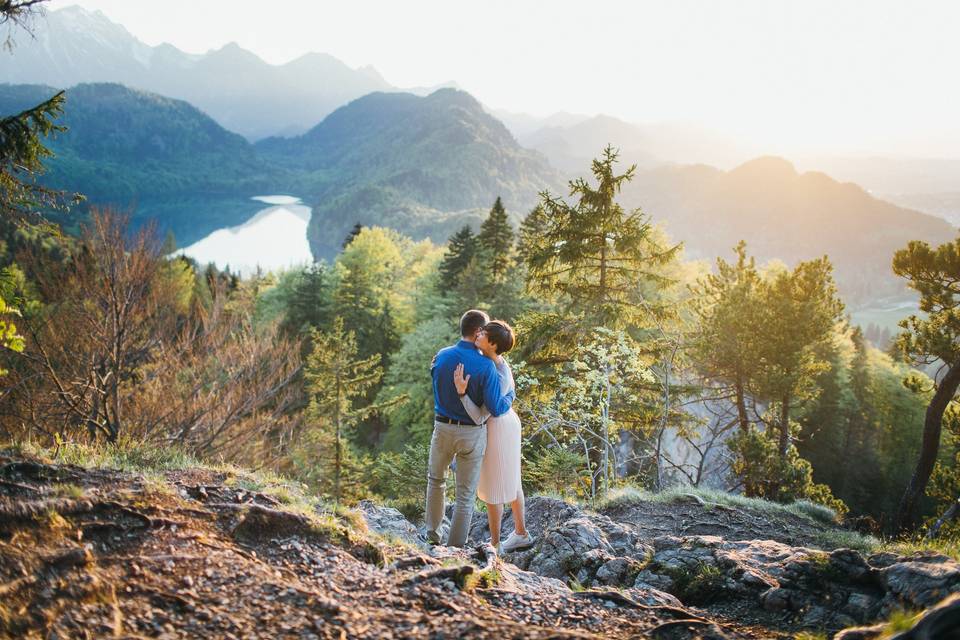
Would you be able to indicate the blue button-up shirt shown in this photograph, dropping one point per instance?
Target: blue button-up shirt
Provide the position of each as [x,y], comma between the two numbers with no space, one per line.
[483,388]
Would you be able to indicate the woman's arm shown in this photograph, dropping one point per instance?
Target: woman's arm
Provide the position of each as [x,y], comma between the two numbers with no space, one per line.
[478,414]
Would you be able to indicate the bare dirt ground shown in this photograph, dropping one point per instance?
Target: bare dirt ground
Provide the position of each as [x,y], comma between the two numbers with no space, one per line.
[88,553]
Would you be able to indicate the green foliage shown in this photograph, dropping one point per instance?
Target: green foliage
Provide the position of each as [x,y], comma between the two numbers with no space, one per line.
[798,312]
[944,486]
[558,471]
[460,251]
[933,273]
[408,375]
[401,477]
[9,338]
[591,254]
[495,241]
[700,584]
[726,305]
[22,157]
[338,381]
[765,473]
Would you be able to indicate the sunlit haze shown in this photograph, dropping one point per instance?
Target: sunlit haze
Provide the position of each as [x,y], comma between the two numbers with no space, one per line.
[825,76]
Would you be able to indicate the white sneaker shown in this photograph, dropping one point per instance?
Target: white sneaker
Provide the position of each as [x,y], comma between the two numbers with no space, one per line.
[516,542]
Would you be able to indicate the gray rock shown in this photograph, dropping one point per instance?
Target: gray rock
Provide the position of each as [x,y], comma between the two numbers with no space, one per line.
[852,565]
[921,584]
[861,606]
[614,571]
[647,579]
[652,597]
[775,599]
[564,547]
[387,521]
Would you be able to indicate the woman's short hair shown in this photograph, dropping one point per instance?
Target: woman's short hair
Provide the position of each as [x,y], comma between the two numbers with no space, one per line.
[471,321]
[500,334]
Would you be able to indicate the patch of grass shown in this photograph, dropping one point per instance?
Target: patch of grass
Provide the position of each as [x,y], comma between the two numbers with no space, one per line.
[575,585]
[845,539]
[482,579]
[899,621]
[123,455]
[814,511]
[72,491]
[946,546]
[698,585]
[809,635]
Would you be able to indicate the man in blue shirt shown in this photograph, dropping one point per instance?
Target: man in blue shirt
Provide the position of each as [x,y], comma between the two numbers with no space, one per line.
[455,435]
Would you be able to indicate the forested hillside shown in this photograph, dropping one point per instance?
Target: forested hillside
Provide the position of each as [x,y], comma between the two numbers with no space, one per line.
[422,166]
[786,215]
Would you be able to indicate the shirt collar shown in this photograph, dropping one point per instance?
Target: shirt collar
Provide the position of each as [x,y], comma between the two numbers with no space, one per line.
[466,344]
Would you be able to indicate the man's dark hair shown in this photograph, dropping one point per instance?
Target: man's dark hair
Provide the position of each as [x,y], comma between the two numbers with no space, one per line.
[471,321]
[500,334]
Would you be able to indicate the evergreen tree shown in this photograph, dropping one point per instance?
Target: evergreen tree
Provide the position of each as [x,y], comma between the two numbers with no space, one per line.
[934,274]
[798,312]
[338,381]
[357,228]
[727,306]
[21,161]
[496,244]
[528,237]
[593,253]
[460,252]
[310,305]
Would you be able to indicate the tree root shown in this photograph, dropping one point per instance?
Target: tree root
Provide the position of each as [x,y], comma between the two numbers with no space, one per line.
[412,561]
[619,598]
[457,574]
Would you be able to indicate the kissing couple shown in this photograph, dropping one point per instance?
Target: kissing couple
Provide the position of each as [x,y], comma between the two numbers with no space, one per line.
[475,425]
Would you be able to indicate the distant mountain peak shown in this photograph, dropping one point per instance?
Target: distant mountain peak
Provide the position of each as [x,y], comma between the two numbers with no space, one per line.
[452,95]
[766,167]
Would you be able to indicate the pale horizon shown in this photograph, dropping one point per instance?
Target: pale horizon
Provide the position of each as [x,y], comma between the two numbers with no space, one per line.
[845,79]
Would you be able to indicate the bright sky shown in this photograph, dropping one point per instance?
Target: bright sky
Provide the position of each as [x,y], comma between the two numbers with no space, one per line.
[841,75]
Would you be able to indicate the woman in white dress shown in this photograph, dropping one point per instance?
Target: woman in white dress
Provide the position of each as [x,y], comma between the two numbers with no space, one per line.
[500,469]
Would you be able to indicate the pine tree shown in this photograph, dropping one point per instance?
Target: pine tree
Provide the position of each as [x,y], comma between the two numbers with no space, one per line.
[21,161]
[460,252]
[496,245]
[798,312]
[727,306]
[338,381]
[934,274]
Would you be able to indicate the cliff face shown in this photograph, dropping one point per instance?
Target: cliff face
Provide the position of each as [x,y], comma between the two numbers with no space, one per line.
[200,552]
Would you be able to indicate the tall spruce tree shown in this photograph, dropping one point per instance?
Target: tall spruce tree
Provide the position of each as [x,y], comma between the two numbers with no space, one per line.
[22,153]
[496,245]
[311,304]
[528,236]
[339,381]
[593,252]
[460,252]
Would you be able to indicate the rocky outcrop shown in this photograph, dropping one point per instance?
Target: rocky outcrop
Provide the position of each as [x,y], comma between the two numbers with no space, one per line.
[815,589]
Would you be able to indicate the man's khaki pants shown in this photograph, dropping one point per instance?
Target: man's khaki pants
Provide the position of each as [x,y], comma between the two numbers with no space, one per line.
[466,444]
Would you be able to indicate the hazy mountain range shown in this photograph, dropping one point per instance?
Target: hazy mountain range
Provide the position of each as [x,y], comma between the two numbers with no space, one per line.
[421,164]
[234,86]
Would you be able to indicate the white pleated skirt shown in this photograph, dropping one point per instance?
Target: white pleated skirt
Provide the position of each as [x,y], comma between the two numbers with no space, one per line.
[500,470]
